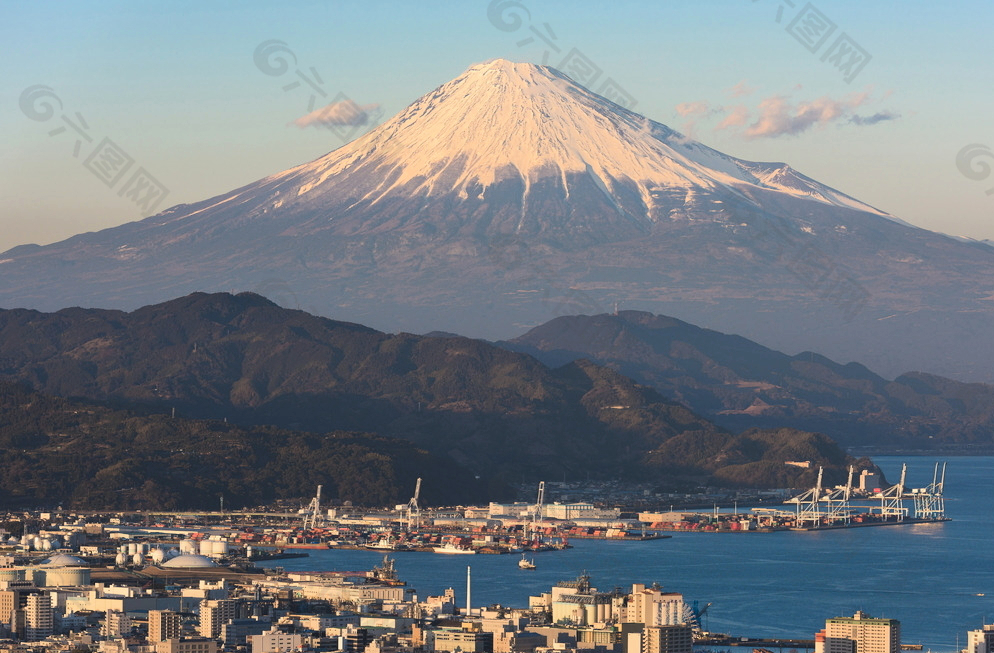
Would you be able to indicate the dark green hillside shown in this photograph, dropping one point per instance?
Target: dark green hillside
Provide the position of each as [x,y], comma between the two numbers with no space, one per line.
[55,451]
[496,413]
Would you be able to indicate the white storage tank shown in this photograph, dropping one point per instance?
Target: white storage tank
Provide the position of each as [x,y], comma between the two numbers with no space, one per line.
[188,546]
[219,548]
[206,547]
[67,577]
[36,543]
[121,559]
[138,560]
[158,556]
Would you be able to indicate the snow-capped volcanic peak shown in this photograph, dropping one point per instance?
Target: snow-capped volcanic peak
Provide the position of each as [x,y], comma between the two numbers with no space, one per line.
[500,120]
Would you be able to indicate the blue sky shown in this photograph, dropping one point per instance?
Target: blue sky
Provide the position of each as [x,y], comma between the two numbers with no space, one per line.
[175,89]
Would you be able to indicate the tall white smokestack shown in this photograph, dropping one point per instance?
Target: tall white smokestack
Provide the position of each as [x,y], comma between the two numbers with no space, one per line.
[469,588]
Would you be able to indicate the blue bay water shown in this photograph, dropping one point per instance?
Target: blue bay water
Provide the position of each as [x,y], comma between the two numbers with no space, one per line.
[767,585]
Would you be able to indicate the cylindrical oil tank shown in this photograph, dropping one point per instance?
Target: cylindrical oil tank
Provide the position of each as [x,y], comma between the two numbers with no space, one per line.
[219,548]
[206,547]
[132,548]
[187,546]
[67,577]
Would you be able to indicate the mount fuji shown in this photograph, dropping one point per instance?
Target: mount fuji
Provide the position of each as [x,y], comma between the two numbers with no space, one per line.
[511,195]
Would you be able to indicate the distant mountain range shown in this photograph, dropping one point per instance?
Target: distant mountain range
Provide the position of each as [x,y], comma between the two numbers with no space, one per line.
[503,416]
[740,384]
[511,195]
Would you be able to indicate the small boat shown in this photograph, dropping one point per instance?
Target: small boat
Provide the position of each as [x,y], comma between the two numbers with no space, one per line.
[525,563]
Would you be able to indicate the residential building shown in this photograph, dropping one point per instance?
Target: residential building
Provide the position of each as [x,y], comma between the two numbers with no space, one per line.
[868,635]
[653,607]
[187,645]
[667,639]
[275,641]
[39,618]
[163,625]
[980,641]
[116,624]
[214,613]
[467,641]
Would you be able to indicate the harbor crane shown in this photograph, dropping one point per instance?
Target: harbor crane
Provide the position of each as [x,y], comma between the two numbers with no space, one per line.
[929,502]
[537,509]
[413,510]
[539,501]
[312,514]
[808,508]
[838,502]
[892,499]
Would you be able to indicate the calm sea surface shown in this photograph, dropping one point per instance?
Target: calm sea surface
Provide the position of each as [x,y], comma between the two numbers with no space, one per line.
[779,584]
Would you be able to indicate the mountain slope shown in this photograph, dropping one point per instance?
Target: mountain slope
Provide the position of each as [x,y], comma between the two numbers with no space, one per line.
[740,384]
[83,455]
[242,358]
[512,194]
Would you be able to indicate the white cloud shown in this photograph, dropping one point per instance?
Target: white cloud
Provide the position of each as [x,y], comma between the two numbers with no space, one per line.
[782,115]
[345,112]
[737,116]
[741,90]
[692,109]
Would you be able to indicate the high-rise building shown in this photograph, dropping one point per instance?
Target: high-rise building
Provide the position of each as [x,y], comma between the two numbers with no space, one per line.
[10,601]
[214,613]
[860,634]
[668,639]
[980,641]
[39,618]
[116,624]
[653,607]
[163,625]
